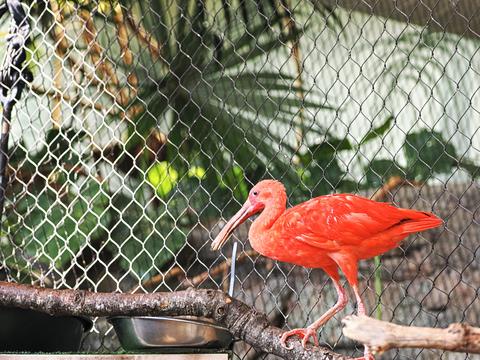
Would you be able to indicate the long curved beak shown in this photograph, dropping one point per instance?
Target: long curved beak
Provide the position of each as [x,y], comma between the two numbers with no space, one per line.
[247,210]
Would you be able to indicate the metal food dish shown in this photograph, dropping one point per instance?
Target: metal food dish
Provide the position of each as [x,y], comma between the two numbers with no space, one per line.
[143,332]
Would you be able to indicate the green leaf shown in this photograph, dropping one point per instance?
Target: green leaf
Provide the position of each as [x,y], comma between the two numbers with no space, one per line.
[18,156]
[321,170]
[196,172]
[378,131]
[245,138]
[240,187]
[266,80]
[163,178]
[52,229]
[146,236]
[427,153]
[245,41]
[379,171]
[325,151]
[326,176]
[331,145]
[256,48]
[348,186]
[59,144]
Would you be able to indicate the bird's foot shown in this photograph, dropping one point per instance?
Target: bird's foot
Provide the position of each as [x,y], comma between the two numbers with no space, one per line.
[303,333]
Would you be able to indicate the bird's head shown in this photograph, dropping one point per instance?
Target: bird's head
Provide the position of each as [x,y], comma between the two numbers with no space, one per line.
[265,194]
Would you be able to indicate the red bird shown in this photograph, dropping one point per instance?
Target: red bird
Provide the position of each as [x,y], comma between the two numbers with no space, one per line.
[327,232]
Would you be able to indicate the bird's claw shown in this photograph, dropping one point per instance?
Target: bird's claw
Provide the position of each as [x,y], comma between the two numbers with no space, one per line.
[303,333]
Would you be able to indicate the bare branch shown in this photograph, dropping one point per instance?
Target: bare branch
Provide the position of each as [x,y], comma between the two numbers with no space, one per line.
[390,185]
[382,336]
[104,67]
[126,94]
[221,268]
[61,47]
[122,34]
[145,37]
[241,320]
[198,279]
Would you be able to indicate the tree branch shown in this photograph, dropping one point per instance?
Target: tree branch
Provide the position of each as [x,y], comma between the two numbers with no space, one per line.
[145,37]
[392,183]
[382,336]
[242,321]
[178,271]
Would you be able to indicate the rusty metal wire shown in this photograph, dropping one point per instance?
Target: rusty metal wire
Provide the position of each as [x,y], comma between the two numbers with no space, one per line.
[148,121]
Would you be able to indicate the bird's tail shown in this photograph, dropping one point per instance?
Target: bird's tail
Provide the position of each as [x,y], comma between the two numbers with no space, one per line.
[416,221]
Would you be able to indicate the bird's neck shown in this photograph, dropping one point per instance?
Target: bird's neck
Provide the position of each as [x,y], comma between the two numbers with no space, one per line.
[266,219]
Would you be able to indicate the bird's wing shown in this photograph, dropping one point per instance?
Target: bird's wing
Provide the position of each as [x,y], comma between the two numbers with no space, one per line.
[333,221]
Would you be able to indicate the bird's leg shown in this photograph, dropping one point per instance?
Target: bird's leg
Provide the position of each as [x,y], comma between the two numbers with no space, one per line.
[341,303]
[360,304]
[349,265]
[367,355]
[311,330]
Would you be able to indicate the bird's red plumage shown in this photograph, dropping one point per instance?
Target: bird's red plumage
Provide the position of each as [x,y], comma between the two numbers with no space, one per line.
[308,233]
[334,222]
[328,232]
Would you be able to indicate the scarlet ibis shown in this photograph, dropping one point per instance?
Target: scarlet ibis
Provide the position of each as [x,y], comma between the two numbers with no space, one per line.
[327,232]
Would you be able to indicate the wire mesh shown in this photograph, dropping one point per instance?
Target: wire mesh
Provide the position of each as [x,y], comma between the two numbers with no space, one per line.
[148,121]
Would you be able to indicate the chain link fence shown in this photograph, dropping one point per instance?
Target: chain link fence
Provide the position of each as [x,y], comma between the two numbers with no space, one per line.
[148,121]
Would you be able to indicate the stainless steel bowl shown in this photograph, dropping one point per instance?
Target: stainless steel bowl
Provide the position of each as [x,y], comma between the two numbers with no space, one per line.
[143,332]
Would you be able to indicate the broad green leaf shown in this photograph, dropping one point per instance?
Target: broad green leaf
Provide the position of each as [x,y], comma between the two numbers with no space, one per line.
[378,131]
[427,154]
[163,178]
[325,176]
[18,265]
[18,156]
[52,229]
[379,171]
[145,236]
[322,172]
[325,151]
[196,172]
[332,144]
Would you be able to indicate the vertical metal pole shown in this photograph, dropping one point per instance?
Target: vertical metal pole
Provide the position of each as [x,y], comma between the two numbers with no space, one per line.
[232,269]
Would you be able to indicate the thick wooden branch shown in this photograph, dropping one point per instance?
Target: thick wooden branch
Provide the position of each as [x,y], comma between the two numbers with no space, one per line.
[241,320]
[381,335]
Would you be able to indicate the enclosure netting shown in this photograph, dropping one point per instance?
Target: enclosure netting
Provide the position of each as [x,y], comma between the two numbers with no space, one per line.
[148,121]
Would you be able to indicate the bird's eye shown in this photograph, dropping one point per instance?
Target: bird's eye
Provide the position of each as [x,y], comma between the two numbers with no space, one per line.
[255,193]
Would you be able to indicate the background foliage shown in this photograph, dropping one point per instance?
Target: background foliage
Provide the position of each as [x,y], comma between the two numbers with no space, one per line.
[148,122]
[167,110]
